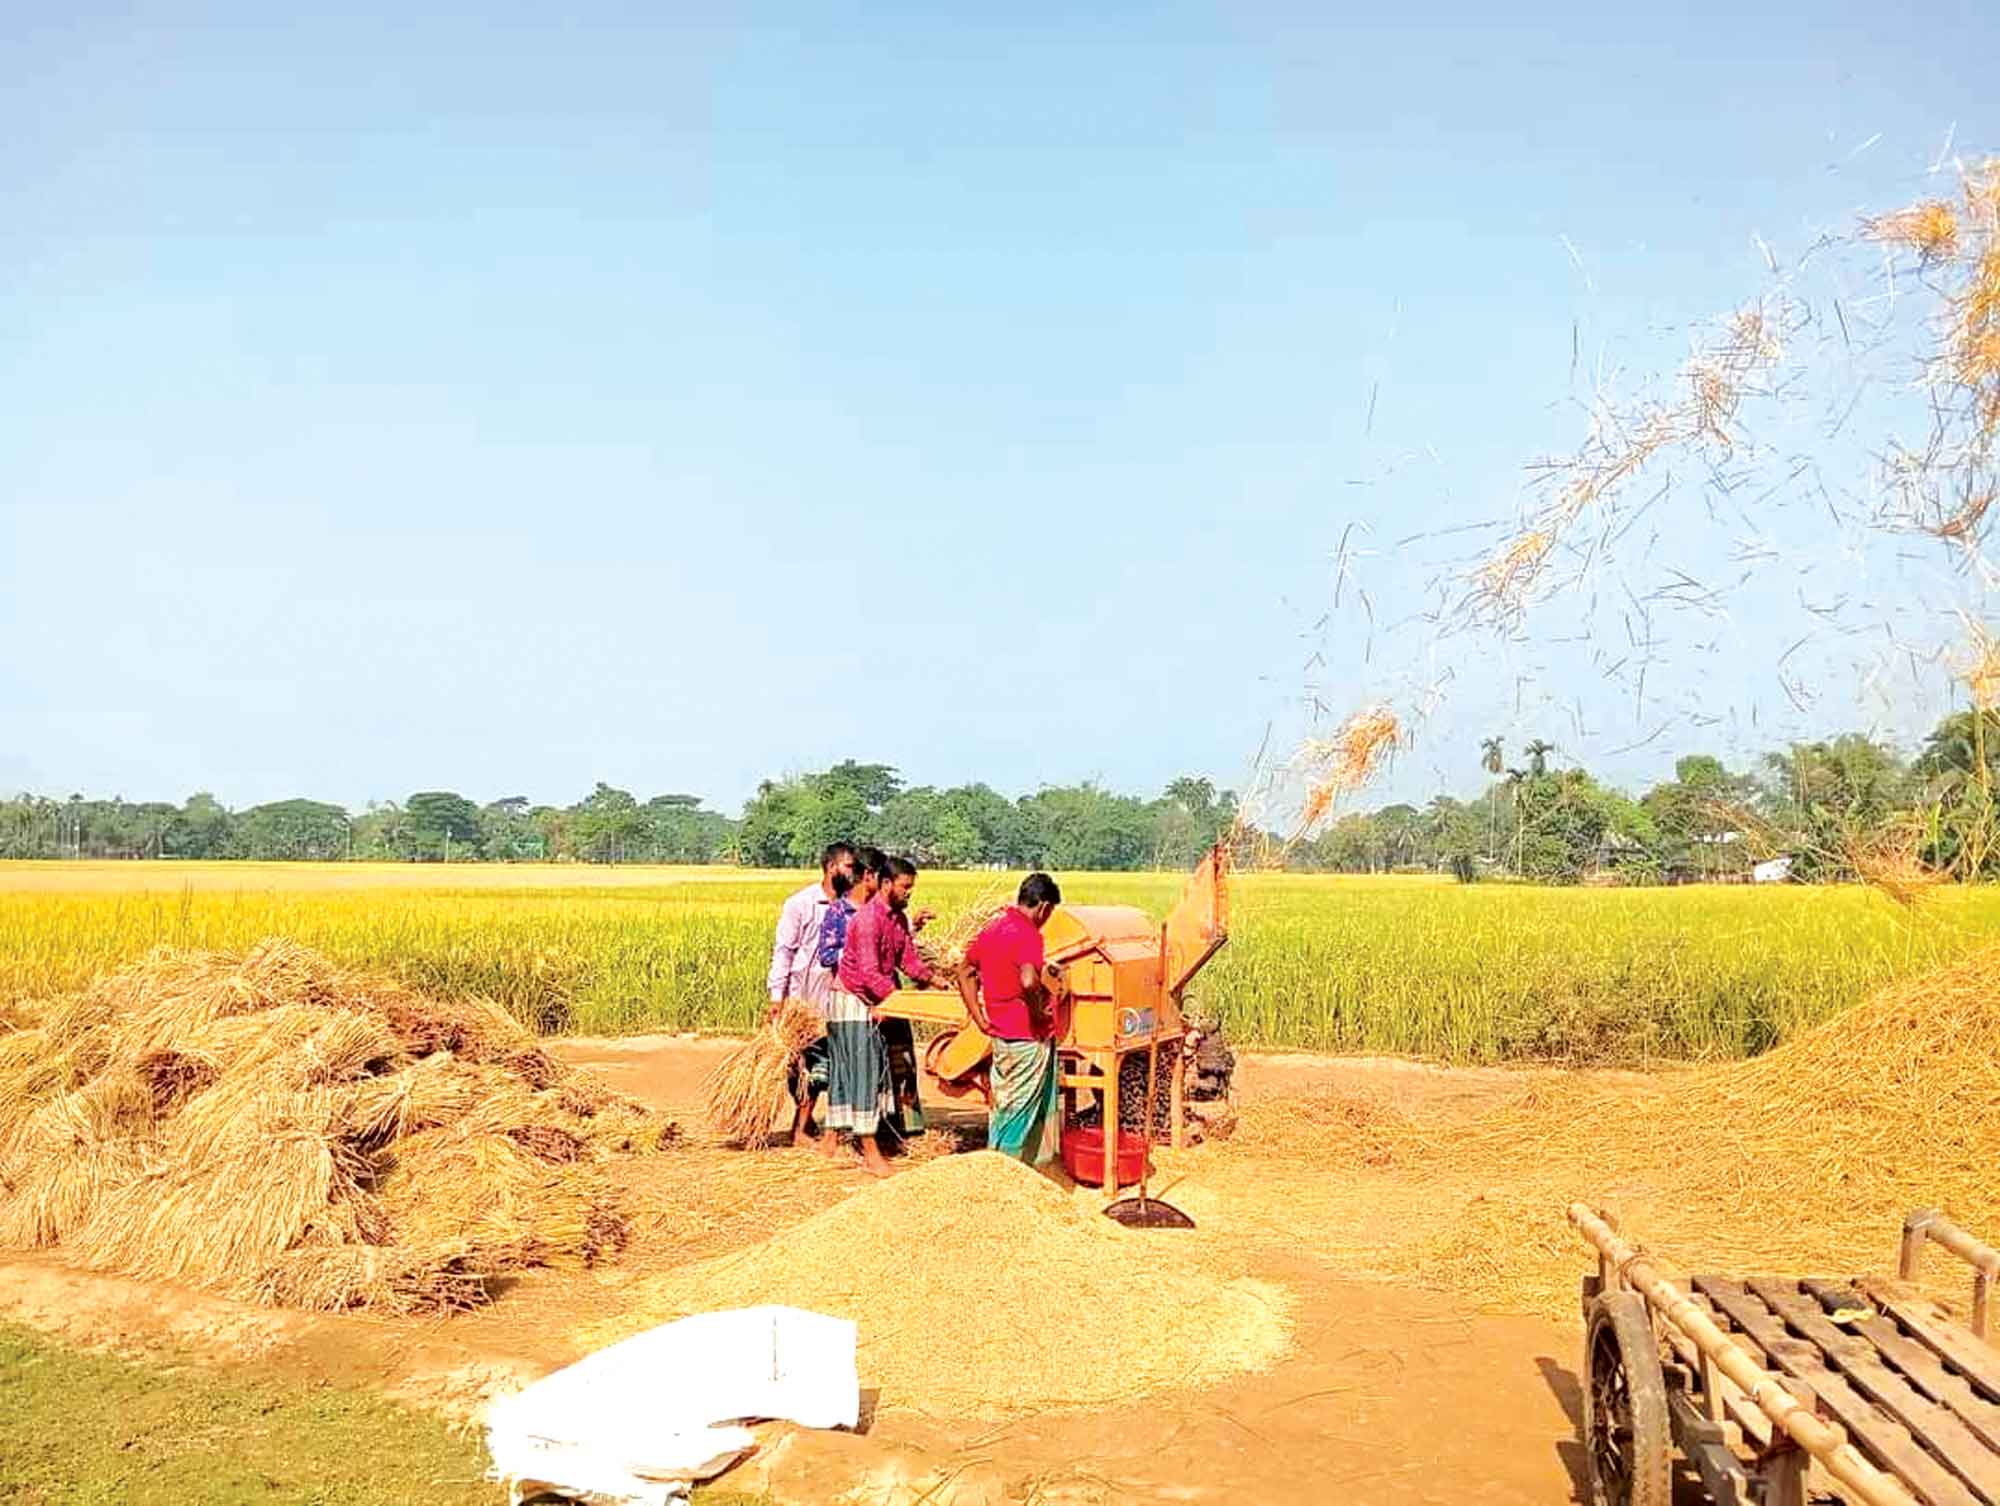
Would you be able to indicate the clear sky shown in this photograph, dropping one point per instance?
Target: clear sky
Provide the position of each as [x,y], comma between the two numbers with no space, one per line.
[507,399]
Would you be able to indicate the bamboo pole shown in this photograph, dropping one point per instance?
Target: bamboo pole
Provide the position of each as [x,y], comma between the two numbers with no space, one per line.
[1929,1224]
[1827,1443]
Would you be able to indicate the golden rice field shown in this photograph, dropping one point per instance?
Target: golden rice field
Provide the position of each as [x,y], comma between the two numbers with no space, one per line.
[1482,973]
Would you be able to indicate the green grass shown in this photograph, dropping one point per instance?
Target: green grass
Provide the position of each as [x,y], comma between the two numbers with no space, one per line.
[96,1429]
[92,1429]
[1471,974]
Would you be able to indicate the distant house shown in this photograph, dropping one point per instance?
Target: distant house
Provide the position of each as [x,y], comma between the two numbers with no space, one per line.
[1772,871]
[1712,857]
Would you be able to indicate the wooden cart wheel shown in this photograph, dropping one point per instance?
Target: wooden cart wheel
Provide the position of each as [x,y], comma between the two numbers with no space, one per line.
[1625,1426]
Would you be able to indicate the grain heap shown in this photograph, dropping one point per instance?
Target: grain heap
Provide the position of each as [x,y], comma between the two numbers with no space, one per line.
[1804,1159]
[282,1129]
[982,1290]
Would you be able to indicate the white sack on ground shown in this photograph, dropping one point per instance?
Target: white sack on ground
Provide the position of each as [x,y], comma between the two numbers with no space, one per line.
[638,1422]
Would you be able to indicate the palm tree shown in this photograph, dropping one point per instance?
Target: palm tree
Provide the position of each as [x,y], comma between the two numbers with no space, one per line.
[1492,760]
[1515,778]
[1538,757]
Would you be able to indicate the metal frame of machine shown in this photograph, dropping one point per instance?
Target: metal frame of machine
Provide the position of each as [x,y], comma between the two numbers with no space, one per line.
[1126,977]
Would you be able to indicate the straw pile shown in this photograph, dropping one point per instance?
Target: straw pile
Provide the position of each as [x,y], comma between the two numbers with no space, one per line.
[749,1089]
[1803,1160]
[281,1129]
[982,1290]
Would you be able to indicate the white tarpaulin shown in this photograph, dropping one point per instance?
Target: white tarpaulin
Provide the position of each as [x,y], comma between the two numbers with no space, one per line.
[638,1423]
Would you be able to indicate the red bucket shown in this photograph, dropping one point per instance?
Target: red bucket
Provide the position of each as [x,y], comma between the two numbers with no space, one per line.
[1083,1155]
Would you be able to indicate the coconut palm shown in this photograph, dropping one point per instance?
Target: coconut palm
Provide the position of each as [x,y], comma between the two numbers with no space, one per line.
[1492,759]
[1538,757]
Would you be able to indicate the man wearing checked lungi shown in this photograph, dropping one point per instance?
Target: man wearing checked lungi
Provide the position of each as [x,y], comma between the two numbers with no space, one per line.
[878,946]
[1009,991]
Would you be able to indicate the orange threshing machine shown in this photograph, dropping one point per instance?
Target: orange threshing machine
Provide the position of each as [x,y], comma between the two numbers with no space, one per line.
[1122,1026]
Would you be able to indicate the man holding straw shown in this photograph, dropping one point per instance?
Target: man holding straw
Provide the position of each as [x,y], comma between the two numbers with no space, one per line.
[1010,993]
[798,974]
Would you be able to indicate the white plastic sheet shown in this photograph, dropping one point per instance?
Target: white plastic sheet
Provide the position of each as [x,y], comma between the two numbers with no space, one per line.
[638,1423]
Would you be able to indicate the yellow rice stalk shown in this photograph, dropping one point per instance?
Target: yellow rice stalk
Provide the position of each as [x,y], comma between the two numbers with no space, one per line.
[943,947]
[747,1092]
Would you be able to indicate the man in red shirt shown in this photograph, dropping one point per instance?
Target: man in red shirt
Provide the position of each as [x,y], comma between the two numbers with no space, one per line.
[1008,991]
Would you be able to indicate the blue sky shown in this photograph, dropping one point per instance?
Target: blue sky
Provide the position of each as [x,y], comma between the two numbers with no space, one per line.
[402,397]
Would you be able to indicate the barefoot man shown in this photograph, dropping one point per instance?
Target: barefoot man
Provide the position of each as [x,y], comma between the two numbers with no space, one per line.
[797,972]
[878,947]
[1008,992]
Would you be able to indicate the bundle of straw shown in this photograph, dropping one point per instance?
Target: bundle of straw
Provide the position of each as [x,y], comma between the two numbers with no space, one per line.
[748,1090]
[276,1127]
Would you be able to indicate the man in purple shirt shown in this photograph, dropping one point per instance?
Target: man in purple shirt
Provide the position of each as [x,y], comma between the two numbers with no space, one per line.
[878,947]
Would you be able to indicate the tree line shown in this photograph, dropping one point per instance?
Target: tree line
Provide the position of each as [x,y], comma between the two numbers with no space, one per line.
[784,824]
[1818,803]
[1824,805]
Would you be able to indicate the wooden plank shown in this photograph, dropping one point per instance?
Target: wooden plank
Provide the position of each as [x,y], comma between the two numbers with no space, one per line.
[1736,1403]
[1925,1370]
[1884,1440]
[1935,1427]
[1971,1357]
[1735,1400]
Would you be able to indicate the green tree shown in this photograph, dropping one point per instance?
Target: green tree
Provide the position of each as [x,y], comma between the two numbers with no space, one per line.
[291,831]
[607,826]
[442,823]
[507,832]
[199,829]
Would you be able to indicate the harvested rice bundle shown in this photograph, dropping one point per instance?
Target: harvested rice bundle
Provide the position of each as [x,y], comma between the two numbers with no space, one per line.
[749,1088]
[280,1128]
[500,1202]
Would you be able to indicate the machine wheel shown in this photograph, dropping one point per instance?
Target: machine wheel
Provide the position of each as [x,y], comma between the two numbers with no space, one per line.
[1626,1433]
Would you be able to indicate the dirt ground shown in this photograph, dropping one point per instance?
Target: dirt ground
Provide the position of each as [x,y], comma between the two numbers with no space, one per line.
[1390,1394]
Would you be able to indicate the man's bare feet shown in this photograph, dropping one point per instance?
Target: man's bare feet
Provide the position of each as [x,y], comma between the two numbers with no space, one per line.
[872,1160]
[829,1144]
[804,1139]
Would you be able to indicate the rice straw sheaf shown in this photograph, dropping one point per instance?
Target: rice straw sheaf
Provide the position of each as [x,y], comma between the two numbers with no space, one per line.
[277,1127]
[747,1091]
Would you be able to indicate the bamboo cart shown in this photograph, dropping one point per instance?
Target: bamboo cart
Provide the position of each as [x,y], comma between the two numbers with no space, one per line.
[1773,1387]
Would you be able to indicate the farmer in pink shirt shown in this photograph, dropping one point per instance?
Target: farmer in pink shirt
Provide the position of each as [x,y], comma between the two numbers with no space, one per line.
[878,947]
